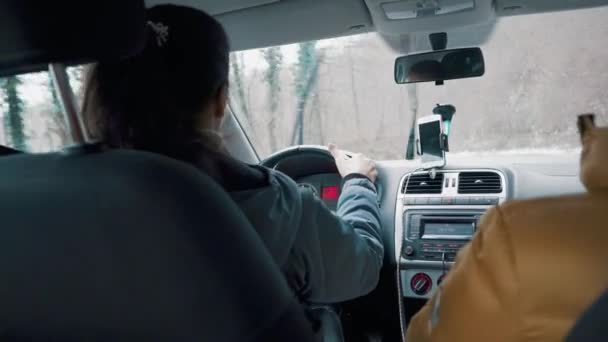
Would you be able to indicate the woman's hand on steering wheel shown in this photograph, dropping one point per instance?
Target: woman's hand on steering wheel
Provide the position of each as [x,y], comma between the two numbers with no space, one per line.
[353,163]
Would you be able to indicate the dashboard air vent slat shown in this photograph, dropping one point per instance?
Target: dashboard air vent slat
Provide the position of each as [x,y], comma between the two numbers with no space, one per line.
[486,182]
[423,184]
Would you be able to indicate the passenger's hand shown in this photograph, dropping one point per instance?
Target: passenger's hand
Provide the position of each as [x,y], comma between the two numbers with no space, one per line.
[349,163]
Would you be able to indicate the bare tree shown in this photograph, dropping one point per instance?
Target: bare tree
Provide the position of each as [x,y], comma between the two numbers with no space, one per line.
[13,118]
[237,67]
[274,59]
[306,72]
[353,86]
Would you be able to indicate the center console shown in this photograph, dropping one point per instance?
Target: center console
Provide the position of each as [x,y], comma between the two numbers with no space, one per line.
[437,216]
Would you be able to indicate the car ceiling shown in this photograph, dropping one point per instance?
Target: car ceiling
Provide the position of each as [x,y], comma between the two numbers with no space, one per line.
[260,23]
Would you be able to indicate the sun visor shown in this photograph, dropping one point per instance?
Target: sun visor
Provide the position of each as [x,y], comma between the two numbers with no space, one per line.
[408,16]
[36,33]
[519,7]
[214,7]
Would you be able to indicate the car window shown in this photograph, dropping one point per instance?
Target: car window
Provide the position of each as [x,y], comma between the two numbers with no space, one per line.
[540,73]
[30,112]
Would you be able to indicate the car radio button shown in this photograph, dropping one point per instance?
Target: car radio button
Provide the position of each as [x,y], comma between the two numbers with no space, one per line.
[462,200]
[422,200]
[476,200]
[409,250]
[485,200]
[421,283]
[447,201]
[435,200]
[432,255]
[492,200]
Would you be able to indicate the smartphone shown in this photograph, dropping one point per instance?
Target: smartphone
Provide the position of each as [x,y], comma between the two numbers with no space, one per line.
[430,129]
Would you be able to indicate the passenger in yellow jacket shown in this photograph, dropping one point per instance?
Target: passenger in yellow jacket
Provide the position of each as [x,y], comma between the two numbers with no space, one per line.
[532,268]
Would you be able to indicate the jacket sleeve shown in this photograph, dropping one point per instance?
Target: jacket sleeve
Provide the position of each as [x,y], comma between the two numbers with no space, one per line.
[475,301]
[343,252]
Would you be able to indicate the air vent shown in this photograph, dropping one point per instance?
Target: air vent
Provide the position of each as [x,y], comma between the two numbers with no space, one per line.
[423,184]
[479,183]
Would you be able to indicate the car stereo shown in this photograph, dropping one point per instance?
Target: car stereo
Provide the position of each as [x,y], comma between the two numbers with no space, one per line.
[437,235]
[435,218]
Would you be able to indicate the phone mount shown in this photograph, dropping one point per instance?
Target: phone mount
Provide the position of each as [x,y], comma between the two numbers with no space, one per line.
[446,112]
[443,144]
[432,170]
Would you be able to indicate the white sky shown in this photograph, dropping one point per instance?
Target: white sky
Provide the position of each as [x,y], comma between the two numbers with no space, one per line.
[254,59]
[34,89]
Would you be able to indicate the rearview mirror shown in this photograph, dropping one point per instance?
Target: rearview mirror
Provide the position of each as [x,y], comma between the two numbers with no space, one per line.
[439,65]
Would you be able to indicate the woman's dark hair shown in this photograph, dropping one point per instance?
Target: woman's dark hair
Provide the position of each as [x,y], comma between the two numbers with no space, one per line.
[152,101]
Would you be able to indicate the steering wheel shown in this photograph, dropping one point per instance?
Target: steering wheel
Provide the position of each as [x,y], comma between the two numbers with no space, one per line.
[305,160]
[301,161]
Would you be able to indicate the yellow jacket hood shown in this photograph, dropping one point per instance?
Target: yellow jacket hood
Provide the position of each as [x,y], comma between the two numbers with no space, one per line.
[594,160]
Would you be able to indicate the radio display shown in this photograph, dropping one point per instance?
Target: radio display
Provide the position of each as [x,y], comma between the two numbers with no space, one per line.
[448,229]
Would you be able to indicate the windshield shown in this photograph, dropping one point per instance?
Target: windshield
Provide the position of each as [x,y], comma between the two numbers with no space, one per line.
[541,71]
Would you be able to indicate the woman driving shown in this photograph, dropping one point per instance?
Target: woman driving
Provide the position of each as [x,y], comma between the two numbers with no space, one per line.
[170,99]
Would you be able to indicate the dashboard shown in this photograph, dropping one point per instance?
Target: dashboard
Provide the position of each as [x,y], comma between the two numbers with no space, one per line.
[435,216]
[426,220]
[520,176]
[326,185]
[313,167]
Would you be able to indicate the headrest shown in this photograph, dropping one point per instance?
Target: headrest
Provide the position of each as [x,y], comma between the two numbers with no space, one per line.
[594,160]
[34,33]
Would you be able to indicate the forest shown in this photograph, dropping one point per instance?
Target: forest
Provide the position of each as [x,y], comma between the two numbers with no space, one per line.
[541,71]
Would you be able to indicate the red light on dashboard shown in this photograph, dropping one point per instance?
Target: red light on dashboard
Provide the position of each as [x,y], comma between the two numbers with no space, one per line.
[330,192]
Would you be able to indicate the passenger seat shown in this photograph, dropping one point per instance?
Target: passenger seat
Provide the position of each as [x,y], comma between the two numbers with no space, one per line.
[593,325]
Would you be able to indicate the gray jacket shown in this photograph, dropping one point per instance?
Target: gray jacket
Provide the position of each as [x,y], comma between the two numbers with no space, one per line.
[326,257]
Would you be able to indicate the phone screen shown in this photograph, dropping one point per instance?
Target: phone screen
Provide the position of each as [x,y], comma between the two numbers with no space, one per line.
[430,144]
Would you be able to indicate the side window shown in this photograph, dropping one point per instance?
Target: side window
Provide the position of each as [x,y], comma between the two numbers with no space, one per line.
[31,119]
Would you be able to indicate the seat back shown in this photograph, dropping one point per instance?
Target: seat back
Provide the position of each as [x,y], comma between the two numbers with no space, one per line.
[592,326]
[126,245]
[122,245]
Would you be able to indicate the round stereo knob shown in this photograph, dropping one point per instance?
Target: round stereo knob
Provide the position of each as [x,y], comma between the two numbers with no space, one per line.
[421,283]
[409,250]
